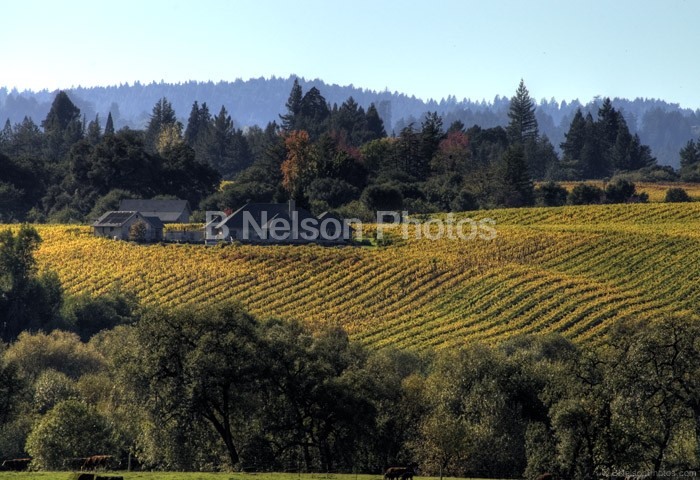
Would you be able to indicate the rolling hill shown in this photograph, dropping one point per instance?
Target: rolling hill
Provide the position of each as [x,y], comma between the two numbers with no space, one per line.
[574,270]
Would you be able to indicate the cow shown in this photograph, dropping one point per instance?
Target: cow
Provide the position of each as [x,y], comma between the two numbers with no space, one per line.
[404,473]
[95,462]
[16,464]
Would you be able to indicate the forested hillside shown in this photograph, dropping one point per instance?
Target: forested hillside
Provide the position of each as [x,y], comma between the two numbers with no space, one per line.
[664,127]
[71,168]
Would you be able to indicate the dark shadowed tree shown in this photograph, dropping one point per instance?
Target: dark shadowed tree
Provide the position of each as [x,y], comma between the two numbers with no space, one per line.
[28,300]
[514,186]
[94,131]
[62,127]
[109,125]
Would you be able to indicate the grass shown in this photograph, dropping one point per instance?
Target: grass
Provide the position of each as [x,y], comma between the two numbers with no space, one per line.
[198,476]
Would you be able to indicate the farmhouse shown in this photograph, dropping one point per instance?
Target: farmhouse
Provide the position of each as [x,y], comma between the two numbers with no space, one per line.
[278,223]
[168,211]
[118,225]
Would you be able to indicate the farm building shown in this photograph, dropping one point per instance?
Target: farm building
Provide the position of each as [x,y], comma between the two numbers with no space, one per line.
[168,211]
[278,223]
[118,225]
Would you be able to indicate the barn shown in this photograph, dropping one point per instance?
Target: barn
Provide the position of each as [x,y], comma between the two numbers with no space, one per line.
[117,225]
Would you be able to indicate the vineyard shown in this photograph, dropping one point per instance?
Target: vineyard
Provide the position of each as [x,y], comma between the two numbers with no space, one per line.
[574,270]
[655,190]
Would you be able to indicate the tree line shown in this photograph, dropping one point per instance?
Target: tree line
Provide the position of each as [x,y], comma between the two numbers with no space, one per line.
[217,389]
[326,157]
[665,126]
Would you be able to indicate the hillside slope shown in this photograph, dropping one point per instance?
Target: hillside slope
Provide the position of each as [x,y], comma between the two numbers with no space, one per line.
[573,270]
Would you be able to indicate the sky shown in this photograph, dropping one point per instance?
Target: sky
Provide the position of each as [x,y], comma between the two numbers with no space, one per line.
[431,49]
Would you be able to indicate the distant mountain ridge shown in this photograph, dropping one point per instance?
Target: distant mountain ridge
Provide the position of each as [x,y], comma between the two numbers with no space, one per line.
[666,127]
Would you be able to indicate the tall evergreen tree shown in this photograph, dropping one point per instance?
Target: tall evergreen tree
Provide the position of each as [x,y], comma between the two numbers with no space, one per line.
[571,165]
[690,161]
[6,136]
[224,147]
[431,136]
[313,114]
[62,127]
[94,131]
[514,185]
[375,125]
[609,123]
[109,125]
[162,115]
[523,124]
[197,124]
[293,107]
[407,152]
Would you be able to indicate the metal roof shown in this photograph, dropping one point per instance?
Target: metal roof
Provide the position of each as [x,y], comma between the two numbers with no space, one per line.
[159,206]
[114,219]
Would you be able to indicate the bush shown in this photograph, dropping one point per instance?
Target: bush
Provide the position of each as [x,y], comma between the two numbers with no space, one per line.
[356,209]
[382,197]
[87,315]
[585,194]
[138,231]
[620,191]
[333,191]
[464,202]
[551,194]
[677,194]
[71,429]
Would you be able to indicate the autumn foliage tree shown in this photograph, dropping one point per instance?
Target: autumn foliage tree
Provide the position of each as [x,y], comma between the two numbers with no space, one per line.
[299,163]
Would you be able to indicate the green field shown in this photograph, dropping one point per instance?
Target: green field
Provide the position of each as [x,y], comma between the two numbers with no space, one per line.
[197,476]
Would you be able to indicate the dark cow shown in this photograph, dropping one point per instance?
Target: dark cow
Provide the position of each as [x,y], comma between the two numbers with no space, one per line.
[93,476]
[96,462]
[404,473]
[16,464]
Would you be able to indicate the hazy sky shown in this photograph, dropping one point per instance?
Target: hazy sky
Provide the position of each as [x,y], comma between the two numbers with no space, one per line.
[431,49]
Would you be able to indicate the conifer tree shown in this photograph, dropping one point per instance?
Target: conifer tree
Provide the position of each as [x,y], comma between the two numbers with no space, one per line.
[163,114]
[431,136]
[197,124]
[62,127]
[690,161]
[94,131]
[523,124]
[293,107]
[515,187]
[6,136]
[109,125]
[375,125]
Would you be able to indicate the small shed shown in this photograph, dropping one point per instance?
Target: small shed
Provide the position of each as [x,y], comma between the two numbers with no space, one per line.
[117,225]
[168,211]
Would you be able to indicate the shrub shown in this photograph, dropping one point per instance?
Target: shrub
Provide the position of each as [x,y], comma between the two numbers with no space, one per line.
[333,191]
[138,231]
[464,201]
[551,194]
[382,197]
[620,191]
[585,194]
[677,194]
